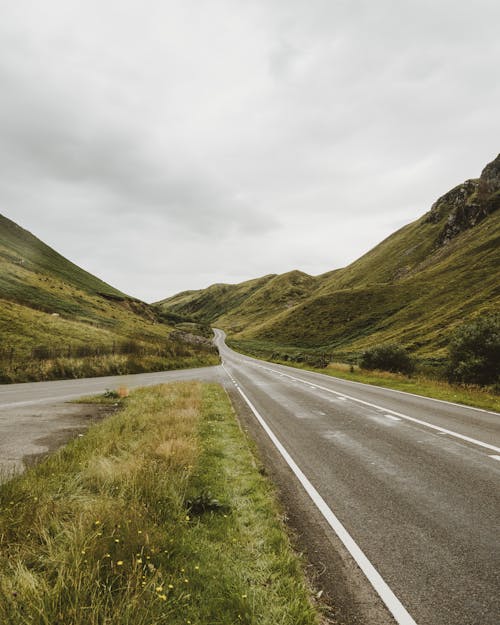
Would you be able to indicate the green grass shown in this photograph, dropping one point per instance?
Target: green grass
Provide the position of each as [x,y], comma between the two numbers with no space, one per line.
[97,366]
[419,310]
[49,304]
[209,304]
[19,248]
[158,515]
[417,384]
[410,289]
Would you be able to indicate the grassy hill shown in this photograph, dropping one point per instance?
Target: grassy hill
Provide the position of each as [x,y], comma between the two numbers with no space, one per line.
[209,304]
[413,288]
[57,320]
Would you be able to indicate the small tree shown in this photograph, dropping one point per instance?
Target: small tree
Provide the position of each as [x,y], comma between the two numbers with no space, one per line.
[474,351]
[389,357]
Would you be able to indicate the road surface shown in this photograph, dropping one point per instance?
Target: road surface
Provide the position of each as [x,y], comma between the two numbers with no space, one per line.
[403,488]
[35,417]
[413,481]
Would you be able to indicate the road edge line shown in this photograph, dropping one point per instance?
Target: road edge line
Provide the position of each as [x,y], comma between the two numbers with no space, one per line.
[392,390]
[380,586]
[468,439]
[384,388]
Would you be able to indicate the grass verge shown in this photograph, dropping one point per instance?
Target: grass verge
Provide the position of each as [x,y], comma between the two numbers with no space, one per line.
[436,389]
[97,366]
[157,515]
[469,395]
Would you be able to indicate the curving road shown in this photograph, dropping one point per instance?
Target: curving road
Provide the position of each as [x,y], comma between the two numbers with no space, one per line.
[403,488]
[414,483]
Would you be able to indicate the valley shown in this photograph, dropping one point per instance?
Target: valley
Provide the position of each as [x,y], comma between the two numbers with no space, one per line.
[414,288]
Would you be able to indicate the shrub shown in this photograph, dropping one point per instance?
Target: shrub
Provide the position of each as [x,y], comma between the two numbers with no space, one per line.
[474,351]
[390,357]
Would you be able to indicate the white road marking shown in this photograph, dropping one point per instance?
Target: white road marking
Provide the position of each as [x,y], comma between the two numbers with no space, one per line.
[474,441]
[495,457]
[391,416]
[393,604]
[393,390]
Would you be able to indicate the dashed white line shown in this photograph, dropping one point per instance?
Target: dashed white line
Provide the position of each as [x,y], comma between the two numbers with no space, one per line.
[468,439]
[391,416]
[495,457]
[393,604]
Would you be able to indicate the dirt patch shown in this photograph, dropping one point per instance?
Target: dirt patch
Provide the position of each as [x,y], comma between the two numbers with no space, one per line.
[90,414]
[29,433]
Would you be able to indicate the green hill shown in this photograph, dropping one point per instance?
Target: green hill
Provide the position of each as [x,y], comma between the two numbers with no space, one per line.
[209,304]
[52,310]
[413,288]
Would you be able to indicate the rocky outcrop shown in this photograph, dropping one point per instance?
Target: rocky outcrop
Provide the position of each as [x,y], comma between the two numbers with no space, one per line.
[468,204]
[190,339]
[489,182]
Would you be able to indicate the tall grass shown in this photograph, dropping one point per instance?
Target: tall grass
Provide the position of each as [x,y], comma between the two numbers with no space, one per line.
[424,383]
[157,515]
[101,365]
[468,395]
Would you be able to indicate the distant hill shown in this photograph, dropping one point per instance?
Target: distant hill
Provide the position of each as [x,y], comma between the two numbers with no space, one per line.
[50,308]
[208,304]
[413,288]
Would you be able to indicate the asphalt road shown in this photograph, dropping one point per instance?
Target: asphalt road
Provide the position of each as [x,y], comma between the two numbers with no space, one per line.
[413,481]
[35,417]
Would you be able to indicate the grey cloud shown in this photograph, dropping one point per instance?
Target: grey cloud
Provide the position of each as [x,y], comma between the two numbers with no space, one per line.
[115,166]
[228,139]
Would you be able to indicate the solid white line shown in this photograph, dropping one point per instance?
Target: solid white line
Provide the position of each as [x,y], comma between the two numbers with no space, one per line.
[474,441]
[393,604]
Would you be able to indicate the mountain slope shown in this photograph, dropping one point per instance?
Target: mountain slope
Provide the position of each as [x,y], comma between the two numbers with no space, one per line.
[50,308]
[209,304]
[280,293]
[19,247]
[413,288]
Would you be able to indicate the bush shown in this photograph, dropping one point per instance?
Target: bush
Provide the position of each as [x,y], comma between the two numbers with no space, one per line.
[390,357]
[474,352]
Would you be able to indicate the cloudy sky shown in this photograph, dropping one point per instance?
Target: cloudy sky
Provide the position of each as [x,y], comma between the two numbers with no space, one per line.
[165,145]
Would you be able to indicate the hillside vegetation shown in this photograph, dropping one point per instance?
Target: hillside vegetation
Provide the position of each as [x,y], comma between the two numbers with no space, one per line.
[414,288]
[57,320]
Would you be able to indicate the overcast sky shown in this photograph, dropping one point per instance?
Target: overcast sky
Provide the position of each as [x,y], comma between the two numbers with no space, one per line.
[166,145]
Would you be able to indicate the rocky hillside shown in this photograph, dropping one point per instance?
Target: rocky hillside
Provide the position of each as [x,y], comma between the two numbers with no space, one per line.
[413,288]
